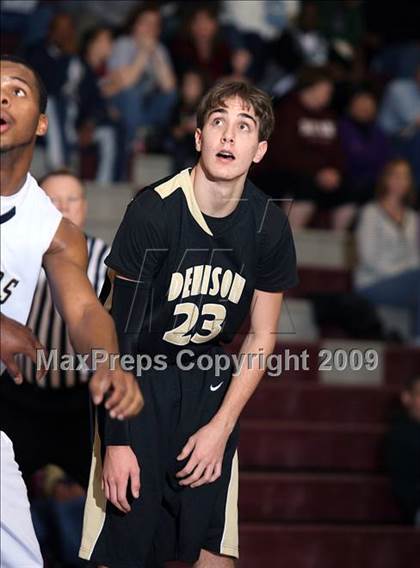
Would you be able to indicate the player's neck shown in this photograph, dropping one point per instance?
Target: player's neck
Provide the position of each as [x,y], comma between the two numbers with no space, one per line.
[216,198]
[13,171]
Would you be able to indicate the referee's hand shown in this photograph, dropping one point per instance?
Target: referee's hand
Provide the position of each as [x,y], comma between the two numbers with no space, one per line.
[120,466]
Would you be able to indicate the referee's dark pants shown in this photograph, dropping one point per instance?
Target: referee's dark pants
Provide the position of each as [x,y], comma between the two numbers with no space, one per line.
[48,426]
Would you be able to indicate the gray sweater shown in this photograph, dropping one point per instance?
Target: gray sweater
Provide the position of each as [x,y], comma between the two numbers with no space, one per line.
[385,248]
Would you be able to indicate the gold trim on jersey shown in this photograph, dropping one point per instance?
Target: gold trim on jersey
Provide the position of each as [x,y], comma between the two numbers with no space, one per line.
[95,507]
[230,540]
[183,181]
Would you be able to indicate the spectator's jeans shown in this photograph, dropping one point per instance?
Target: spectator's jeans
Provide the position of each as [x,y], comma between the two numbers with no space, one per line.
[138,108]
[61,140]
[105,139]
[402,291]
[58,526]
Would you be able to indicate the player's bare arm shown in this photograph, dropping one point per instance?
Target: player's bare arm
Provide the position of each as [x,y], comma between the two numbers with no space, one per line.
[90,326]
[207,446]
[16,339]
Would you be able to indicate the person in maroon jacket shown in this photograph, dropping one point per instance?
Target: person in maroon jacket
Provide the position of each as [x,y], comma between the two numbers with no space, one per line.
[305,158]
[202,46]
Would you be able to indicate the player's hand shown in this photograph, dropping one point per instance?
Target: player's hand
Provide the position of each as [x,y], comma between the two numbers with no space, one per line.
[206,449]
[125,400]
[18,339]
[120,465]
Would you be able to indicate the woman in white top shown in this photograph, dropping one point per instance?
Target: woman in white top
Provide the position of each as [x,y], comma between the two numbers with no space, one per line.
[388,244]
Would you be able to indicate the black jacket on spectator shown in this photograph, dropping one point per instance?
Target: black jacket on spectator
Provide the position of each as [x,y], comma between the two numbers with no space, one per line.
[403,460]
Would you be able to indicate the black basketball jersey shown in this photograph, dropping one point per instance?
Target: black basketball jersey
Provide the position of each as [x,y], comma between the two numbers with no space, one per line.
[197,274]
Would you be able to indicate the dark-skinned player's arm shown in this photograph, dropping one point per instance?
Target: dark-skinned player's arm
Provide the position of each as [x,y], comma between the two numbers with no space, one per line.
[90,326]
[206,447]
[16,339]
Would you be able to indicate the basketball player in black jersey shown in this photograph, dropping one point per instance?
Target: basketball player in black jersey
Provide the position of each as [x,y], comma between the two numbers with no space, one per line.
[196,253]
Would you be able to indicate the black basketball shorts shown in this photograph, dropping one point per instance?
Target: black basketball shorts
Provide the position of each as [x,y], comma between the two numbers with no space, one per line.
[168,521]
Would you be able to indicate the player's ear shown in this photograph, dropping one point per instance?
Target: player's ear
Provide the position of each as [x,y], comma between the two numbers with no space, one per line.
[198,136]
[261,150]
[42,127]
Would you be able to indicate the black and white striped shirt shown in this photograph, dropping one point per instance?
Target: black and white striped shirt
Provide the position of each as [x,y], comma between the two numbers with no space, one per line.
[47,324]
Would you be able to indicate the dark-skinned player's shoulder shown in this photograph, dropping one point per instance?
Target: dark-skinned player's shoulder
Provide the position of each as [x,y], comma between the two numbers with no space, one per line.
[277,269]
[68,236]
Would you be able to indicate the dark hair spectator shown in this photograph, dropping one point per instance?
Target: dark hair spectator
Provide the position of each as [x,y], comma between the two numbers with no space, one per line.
[96,48]
[201,45]
[387,240]
[304,155]
[56,61]
[181,144]
[365,146]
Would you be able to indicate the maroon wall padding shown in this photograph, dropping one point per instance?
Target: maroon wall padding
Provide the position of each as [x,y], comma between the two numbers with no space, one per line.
[401,363]
[274,546]
[322,280]
[302,445]
[329,498]
[289,400]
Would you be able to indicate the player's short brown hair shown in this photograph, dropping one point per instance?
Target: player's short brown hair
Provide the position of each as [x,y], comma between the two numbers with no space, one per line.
[260,102]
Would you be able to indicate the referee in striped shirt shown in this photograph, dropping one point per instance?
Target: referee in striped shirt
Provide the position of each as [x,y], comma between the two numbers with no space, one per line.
[50,424]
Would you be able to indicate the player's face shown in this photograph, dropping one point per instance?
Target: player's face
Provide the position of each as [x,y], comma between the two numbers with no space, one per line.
[229,141]
[67,194]
[398,181]
[20,120]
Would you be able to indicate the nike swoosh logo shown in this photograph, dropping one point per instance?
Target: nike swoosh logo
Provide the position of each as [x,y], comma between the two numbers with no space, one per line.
[212,388]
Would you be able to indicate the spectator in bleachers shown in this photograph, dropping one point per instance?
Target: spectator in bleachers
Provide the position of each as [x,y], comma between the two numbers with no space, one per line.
[342,20]
[111,13]
[203,46]
[253,26]
[388,247]
[305,160]
[95,51]
[141,81]
[57,62]
[365,146]
[28,20]
[57,513]
[181,144]
[400,118]
[298,45]
[77,113]
[403,452]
